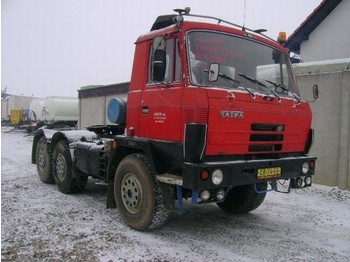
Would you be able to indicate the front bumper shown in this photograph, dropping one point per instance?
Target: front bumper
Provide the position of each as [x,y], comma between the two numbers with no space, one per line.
[242,172]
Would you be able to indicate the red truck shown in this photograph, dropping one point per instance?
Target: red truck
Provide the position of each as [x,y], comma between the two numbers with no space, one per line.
[213,114]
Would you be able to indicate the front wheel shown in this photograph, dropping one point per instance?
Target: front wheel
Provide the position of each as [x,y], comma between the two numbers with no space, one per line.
[137,194]
[243,199]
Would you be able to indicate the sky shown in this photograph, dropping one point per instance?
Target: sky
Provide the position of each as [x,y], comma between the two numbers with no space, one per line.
[52,48]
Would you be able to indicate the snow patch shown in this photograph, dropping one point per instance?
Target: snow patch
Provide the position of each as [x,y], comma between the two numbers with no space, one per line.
[38,223]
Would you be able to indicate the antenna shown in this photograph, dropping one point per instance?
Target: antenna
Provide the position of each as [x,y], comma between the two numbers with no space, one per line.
[245,8]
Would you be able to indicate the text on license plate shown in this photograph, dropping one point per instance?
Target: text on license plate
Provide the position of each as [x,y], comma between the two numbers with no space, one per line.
[271,172]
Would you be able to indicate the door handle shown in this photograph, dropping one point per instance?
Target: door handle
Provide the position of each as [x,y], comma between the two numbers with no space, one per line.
[145,110]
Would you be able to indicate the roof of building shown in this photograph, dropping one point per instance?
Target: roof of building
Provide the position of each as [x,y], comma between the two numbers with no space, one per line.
[99,90]
[312,21]
[322,67]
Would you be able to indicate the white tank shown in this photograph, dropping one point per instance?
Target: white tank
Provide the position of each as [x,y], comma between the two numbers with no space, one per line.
[36,109]
[57,108]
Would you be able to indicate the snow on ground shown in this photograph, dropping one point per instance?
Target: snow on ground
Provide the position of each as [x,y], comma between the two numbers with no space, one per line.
[38,223]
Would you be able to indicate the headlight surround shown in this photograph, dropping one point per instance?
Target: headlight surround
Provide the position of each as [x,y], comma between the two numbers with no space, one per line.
[217,177]
[220,195]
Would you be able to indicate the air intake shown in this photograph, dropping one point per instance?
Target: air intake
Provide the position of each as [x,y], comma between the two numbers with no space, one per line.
[266,137]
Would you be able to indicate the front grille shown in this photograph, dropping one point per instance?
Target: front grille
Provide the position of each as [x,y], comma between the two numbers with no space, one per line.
[266,137]
[267,127]
[265,147]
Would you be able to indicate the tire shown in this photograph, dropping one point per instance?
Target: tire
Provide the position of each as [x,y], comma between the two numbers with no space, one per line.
[243,199]
[42,159]
[82,182]
[81,179]
[63,172]
[137,194]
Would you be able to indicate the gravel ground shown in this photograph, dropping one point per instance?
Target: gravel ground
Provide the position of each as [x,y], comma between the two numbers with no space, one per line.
[38,223]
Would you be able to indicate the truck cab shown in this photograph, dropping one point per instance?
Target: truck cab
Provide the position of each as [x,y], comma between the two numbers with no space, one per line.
[251,110]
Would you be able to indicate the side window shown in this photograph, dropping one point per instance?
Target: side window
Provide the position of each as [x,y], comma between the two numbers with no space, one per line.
[169,61]
[178,70]
[165,62]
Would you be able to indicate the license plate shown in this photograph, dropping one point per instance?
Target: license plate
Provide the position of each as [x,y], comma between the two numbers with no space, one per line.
[271,172]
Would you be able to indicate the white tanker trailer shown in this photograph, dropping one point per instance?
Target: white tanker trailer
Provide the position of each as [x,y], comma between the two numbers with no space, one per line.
[60,109]
[35,110]
[54,111]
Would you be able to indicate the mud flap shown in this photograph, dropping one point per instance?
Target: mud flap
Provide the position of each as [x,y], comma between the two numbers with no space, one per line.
[260,189]
[110,195]
[168,195]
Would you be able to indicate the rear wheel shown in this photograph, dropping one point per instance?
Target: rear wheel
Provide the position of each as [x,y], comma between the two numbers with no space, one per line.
[137,194]
[62,170]
[81,179]
[243,199]
[42,159]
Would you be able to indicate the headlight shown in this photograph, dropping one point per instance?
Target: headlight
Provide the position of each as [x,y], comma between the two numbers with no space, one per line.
[298,182]
[205,195]
[217,177]
[305,168]
[308,181]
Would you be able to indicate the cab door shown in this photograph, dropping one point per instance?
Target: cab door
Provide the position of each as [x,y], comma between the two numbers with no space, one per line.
[161,99]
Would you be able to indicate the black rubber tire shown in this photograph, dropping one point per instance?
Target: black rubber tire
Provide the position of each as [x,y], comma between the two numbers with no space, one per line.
[137,194]
[43,163]
[83,180]
[243,199]
[62,170]
[81,177]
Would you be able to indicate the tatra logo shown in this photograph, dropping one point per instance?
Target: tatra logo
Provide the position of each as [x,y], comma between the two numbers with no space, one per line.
[132,143]
[231,114]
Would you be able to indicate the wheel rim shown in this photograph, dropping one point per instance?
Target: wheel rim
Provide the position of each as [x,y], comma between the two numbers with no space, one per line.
[41,158]
[60,167]
[131,191]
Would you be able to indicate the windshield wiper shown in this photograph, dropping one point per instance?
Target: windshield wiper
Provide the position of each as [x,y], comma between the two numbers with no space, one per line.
[226,77]
[284,88]
[258,83]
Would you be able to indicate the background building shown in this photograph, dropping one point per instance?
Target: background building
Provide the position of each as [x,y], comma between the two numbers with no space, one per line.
[331,118]
[93,102]
[14,102]
[322,41]
[325,33]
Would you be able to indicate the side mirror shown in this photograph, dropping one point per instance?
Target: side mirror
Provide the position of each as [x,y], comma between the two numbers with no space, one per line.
[214,70]
[315,91]
[159,65]
[276,56]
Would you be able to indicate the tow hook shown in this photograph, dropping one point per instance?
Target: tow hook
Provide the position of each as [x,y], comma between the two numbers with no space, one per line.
[230,96]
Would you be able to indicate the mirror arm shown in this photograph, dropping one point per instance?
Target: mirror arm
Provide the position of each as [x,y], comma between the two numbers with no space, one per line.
[315,93]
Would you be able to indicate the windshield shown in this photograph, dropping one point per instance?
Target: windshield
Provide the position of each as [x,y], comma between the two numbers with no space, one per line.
[243,63]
